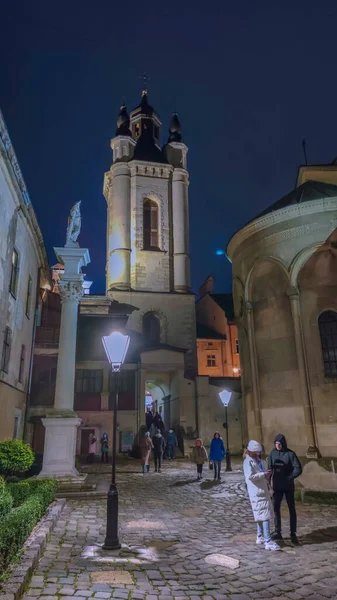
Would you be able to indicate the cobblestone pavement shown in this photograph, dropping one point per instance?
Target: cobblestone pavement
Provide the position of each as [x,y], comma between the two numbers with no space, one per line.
[170,528]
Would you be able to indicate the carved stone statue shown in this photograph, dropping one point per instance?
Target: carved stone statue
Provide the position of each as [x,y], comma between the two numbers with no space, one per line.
[74,225]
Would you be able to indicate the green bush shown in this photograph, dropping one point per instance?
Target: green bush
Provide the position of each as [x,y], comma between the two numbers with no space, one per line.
[20,492]
[2,485]
[6,504]
[15,457]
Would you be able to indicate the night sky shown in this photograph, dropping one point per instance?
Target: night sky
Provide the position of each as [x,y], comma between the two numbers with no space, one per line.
[248,79]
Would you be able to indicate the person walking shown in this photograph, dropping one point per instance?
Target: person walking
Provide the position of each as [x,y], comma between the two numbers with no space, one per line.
[172,444]
[158,450]
[199,457]
[146,447]
[104,448]
[259,491]
[91,448]
[285,467]
[149,419]
[158,422]
[217,454]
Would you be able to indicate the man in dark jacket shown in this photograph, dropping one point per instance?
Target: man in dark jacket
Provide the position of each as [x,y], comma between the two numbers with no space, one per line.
[285,467]
[158,450]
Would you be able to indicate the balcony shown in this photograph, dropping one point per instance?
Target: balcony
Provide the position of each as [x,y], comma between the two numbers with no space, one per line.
[47,337]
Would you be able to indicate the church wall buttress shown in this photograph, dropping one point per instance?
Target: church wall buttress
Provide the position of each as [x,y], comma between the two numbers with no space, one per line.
[118,234]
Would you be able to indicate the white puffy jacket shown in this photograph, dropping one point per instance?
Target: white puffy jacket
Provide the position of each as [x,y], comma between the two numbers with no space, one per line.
[258,490]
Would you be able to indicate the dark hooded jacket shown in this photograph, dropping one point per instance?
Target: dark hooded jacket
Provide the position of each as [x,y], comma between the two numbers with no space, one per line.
[158,442]
[285,466]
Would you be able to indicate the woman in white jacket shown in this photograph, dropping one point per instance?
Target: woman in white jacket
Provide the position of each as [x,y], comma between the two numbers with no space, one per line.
[259,492]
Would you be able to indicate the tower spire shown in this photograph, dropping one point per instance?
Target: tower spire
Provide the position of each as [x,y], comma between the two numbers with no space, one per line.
[145,79]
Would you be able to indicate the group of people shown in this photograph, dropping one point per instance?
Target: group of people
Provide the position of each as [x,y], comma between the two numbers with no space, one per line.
[159,445]
[267,484]
[104,444]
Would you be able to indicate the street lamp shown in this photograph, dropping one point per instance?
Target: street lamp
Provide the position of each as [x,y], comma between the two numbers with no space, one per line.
[116,346]
[225,397]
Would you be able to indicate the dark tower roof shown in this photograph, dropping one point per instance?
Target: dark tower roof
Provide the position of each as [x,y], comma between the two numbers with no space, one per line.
[123,122]
[308,191]
[147,120]
[175,129]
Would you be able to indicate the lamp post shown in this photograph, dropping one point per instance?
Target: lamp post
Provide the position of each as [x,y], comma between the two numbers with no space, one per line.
[225,397]
[116,346]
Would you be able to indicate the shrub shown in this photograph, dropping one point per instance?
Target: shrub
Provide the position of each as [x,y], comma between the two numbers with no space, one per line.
[2,485]
[16,527]
[6,504]
[15,457]
[19,491]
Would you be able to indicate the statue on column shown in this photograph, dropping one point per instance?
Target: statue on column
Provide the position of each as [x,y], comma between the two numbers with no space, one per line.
[74,226]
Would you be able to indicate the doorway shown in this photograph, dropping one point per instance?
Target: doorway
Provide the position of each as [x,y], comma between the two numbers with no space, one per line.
[85,440]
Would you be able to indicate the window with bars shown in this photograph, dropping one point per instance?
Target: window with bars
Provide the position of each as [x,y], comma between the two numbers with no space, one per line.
[13,286]
[327,323]
[6,350]
[29,296]
[211,360]
[22,363]
[150,225]
[126,390]
[89,381]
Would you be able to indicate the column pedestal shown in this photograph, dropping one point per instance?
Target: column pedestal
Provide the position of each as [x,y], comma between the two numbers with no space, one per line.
[60,447]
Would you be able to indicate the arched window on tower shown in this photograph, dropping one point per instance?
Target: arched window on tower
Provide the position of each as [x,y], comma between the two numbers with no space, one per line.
[327,323]
[151,329]
[150,225]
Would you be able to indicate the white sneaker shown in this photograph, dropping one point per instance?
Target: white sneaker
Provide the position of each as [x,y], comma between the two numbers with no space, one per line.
[260,540]
[271,545]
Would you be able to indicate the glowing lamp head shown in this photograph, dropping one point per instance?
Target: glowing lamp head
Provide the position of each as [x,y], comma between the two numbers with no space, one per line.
[235,370]
[116,346]
[220,252]
[225,397]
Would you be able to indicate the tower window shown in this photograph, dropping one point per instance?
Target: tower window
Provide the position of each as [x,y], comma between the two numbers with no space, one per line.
[150,225]
[327,324]
[237,346]
[211,360]
[13,286]
[6,350]
[156,132]
[151,329]
[137,130]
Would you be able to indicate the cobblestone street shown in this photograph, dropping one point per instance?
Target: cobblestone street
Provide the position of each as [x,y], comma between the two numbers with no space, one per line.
[171,527]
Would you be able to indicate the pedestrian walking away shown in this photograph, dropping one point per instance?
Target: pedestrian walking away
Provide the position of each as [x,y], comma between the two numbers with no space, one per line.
[158,450]
[146,447]
[172,444]
[91,448]
[158,422]
[104,448]
[217,454]
[285,467]
[149,419]
[199,457]
[257,480]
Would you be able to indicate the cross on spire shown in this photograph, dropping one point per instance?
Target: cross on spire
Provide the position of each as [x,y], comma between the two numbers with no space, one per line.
[145,79]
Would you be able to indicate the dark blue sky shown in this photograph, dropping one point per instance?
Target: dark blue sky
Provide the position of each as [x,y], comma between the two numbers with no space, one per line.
[249,80]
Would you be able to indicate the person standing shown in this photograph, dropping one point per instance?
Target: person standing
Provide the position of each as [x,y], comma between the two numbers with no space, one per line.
[149,419]
[172,444]
[158,422]
[259,491]
[158,450]
[217,454]
[91,448]
[199,456]
[285,467]
[104,448]
[146,447]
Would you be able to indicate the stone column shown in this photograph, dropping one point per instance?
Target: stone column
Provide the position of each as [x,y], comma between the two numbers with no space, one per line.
[302,366]
[254,371]
[61,423]
[181,257]
[118,234]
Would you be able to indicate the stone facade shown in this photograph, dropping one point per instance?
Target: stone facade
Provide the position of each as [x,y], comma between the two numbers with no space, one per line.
[284,282]
[23,269]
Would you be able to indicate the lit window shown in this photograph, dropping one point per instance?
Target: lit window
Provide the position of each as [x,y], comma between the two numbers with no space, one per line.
[22,363]
[150,225]
[237,346]
[29,296]
[211,360]
[6,350]
[13,286]
[137,129]
[151,329]
[327,324]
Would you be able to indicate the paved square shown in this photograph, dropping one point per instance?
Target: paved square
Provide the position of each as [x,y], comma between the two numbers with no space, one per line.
[176,534]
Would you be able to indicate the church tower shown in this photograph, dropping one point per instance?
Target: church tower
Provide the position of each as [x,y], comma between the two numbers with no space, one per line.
[147,195]
[148,263]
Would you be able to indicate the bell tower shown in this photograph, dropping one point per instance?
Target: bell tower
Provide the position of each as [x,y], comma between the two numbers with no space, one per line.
[146,190]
